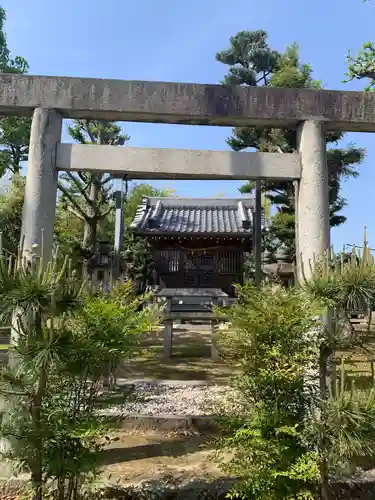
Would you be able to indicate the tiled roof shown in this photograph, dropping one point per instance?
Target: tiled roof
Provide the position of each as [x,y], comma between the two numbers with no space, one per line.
[224,216]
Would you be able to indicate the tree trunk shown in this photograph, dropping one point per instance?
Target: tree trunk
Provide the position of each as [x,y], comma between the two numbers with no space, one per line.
[325,353]
[37,472]
[91,223]
[16,167]
[36,414]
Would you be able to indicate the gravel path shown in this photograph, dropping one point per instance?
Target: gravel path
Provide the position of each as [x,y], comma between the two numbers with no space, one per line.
[171,399]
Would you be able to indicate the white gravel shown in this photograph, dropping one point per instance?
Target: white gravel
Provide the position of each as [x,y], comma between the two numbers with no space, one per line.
[170,399]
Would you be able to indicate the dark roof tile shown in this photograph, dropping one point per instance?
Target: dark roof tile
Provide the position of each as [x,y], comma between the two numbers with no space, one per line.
[195,216]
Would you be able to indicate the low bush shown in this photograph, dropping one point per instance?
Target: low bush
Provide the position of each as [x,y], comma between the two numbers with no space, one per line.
[269,439]
[295,427]
[64,335]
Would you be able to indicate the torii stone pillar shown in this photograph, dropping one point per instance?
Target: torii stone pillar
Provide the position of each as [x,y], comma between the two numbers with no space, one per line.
[40,194]
[41,182]
[312,215]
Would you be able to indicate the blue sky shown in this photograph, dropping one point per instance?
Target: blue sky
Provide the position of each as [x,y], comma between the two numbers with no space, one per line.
[177,41]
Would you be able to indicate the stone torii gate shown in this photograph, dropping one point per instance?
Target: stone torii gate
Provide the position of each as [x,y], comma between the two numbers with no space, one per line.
[312,112]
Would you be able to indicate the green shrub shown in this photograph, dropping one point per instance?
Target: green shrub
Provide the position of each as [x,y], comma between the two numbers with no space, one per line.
[65,336]
[269,439]
[294,426]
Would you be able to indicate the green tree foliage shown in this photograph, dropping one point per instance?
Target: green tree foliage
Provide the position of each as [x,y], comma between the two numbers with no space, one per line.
[68,230]
[11,207]
[252,62]
[88,196]
[281,230]
[69,227]
[14,131]
[137,259]
[346,425]
[9,63]
[292,424]
[137,255]
[270,344]
[363,65]
[68,234]
[65,337]
[14,144]
[136,194]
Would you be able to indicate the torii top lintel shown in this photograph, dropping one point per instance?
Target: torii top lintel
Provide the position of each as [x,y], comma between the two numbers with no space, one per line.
[185,103]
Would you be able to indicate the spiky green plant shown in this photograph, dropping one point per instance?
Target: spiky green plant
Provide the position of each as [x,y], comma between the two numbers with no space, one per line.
[63,336]
[351,422]
[347,280]
[39,295]
[277,338]
[344,286]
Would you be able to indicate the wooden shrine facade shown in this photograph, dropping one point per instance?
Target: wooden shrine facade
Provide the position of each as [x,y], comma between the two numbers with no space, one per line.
[197,243]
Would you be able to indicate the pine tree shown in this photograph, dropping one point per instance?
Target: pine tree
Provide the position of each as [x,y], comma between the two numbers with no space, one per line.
[252,62]
[14,131]
[363,65]
[87,195]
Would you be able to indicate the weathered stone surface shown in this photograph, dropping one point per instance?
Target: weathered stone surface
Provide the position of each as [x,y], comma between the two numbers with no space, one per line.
[313,229]
[187,103]
[41,183]
[155,163]
[149,163]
